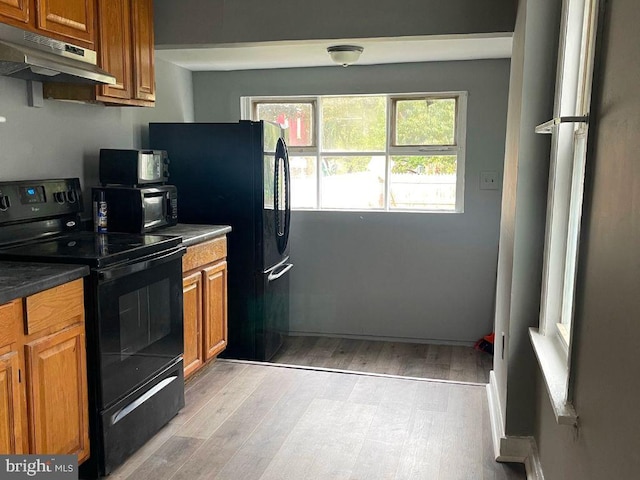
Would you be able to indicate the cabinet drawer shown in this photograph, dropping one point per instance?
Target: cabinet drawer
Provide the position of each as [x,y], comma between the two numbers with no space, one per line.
[59,306]
[204,253]
[10,321]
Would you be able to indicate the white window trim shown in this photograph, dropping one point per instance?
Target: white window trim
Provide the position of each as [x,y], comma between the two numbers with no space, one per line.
[552,342]
[459,149]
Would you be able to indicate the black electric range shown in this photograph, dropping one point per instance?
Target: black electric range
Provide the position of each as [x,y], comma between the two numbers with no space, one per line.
[97,250]
[133,313]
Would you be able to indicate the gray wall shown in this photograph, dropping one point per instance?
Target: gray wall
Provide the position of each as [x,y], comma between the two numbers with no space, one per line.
[174,100]
[524,209]
[191,22]
[63,139]
[60,139]
[413,276]
[606,361]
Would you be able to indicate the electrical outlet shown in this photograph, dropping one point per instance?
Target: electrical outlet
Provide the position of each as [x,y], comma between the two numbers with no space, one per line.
[489,181]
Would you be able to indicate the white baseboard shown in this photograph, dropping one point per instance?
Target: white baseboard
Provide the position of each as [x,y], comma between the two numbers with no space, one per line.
[532,463]
[511,448]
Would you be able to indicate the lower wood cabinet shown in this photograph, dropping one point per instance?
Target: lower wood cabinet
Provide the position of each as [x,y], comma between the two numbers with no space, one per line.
[10,404]
[57,393]
[43,374]
[215,309]
[193,306]
[204,284]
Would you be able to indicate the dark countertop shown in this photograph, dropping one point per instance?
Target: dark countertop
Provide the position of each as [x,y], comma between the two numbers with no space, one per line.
[21,279]
[193,234]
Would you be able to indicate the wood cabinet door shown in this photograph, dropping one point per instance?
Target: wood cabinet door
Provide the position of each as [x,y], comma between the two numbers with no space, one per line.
[114,19]
[215,309]
[17,10]
[144,79]
[10,322]
[10,404]
[192,300]
[72,19]
[56,308]
[57,393]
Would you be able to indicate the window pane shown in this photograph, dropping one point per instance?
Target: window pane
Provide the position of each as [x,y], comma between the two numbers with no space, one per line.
[425,121]
[424,183]
[351,124]
[304,184]
[353,182]
[295,118]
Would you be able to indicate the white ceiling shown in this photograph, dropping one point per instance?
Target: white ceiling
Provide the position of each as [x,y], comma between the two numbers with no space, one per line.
[312,53]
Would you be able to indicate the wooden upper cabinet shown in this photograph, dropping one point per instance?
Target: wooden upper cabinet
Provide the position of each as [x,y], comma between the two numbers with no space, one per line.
[115,47]
[13,11]
[57,394]
[72,19]
[126,50]
[10,405]
[143,50]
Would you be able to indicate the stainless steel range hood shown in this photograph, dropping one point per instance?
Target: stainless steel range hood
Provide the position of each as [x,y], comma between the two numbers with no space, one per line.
[30,56]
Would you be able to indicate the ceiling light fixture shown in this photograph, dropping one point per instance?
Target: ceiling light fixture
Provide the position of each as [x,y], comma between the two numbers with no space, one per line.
[345,54]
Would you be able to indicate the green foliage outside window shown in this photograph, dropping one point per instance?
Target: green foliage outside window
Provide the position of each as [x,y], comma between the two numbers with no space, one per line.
[425,121]
[354,124]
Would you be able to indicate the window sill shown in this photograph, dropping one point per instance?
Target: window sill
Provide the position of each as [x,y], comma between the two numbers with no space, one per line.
[552,360]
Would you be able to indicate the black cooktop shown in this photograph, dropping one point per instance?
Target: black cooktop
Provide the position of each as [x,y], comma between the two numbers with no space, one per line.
[88,248]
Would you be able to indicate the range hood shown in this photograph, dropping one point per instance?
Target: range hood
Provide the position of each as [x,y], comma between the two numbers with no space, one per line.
[30,56]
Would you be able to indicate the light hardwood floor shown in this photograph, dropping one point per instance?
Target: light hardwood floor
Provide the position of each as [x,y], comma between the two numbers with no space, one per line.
[443,362]
[258,422]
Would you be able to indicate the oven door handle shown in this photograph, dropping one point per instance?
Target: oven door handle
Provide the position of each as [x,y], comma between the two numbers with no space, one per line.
[139,265]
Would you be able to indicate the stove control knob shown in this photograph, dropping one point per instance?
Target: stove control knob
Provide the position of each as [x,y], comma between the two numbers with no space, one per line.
[72,197]
[59,197]
[5,203]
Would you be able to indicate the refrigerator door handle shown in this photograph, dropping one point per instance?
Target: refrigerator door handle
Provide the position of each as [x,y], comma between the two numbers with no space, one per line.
[287,196]
[276,273]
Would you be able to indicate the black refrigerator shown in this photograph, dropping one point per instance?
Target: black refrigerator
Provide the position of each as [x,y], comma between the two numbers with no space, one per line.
[238,174]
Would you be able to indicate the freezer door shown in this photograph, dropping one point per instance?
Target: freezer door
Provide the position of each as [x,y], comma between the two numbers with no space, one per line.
[275,309]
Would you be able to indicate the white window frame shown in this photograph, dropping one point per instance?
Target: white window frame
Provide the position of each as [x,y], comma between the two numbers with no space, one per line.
[552,342]
[458,148]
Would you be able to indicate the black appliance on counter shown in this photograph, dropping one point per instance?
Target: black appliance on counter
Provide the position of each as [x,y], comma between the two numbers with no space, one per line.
[238,174]
[133,191]
[139,209]
[133,312]
[133,167]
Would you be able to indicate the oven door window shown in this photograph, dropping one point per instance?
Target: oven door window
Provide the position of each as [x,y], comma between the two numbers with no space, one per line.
[140,327]
[144,317]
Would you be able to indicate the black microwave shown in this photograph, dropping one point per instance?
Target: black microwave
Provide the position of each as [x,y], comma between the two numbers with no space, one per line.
[133,167]
[138,209]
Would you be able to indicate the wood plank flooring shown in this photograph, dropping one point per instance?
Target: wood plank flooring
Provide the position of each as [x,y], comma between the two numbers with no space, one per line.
[442,362]
[259,422]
